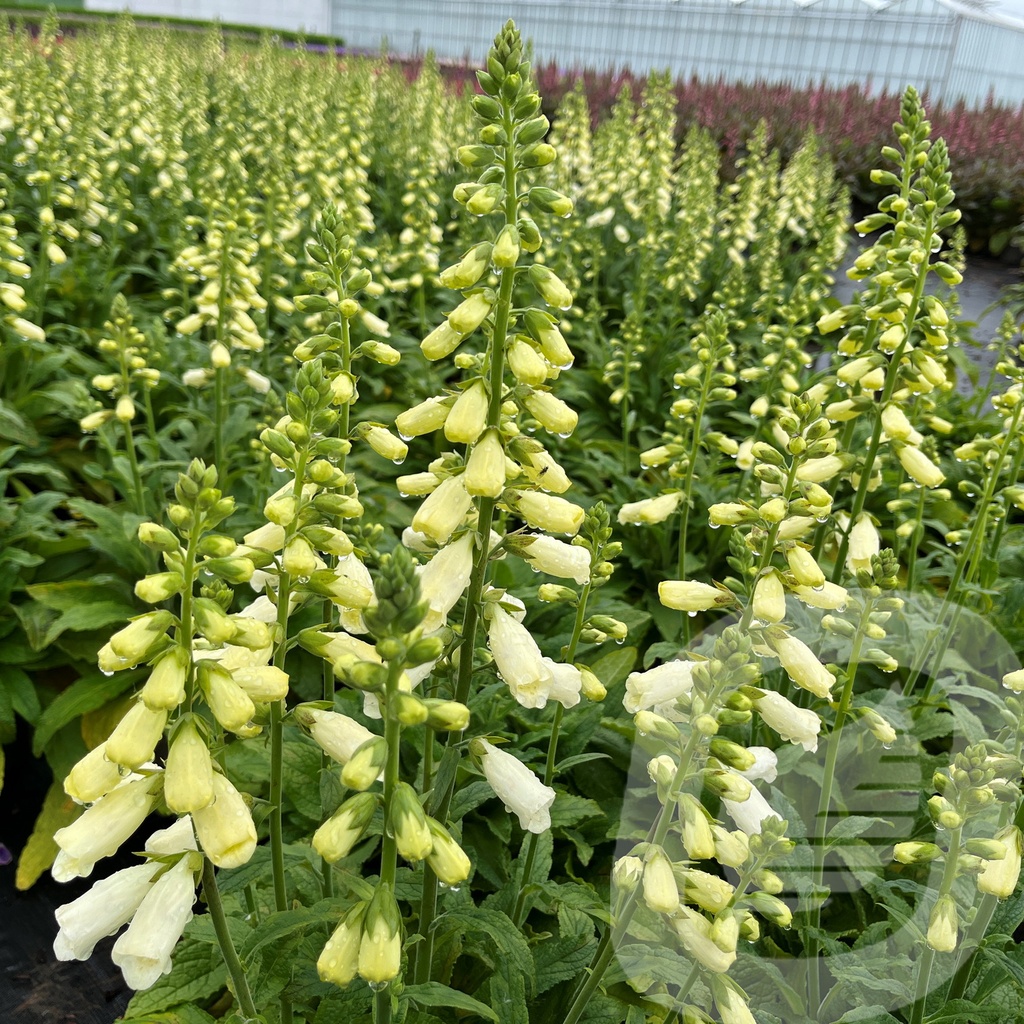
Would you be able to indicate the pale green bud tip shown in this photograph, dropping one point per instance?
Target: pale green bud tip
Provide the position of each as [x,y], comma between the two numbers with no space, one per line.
[916,853]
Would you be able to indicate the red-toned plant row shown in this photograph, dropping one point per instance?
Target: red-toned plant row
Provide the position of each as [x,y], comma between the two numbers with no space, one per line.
[986,144]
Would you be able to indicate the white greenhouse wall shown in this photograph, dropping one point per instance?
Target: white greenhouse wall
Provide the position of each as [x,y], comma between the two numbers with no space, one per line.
[935,45]
[312,16]
[919,42]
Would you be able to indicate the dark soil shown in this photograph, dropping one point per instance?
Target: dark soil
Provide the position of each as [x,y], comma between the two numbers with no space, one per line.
[35,987]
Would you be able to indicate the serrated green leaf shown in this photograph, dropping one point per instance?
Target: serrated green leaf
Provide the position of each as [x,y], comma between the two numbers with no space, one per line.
[301,766]
[867,1015]
[469,798]
[181,1015]
[275,927]
[569,810]
[963,1011]
[433,993]
[558,960]
[85,694]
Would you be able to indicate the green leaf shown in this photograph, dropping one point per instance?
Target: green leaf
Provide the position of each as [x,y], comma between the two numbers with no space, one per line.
[302,762]
[444,777]
[576,759]
[182,1015]
[962,1011]
[85,694]
[275,927]
[197,973]
[613,667]
[557,960]
[433,993]
[568,810]
[853,826]
[40,851]
[868,1015]
[469,798]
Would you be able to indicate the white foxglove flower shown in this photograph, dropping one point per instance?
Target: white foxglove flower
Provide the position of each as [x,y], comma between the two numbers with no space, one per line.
[829,596]
[650,510]
[999,877]
[566,683]
[444,579]
[692,596]
[792,723]
[864,544]
[337,735]
[353,570]
[101,830]
[694,931]
[749,814]
[259,383]
[802,666]
[555,557]
[517,787]
[143,952]
[105,908]
[662,685]
[196,378]
[765,766]
[177,838]
[517,656]
[225,828]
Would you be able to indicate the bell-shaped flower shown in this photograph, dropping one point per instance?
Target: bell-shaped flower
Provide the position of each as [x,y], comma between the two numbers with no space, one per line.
[443,580]
[518,658]
[443,510]
[143,952]
[749,814]
[337,735]
[694,931]
[803,667]
[225,827]
[516,787]
[692,596]
[999,877]
[659,687]
[554,557]
[792,723]
[103,910]
[92,777]
[101,830]
[339,961]
[134,739]
[650,511]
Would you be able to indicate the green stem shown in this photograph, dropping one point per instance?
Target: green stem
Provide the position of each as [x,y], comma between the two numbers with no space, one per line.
[220,925]
[915,540]
[522,907]
[133,462]
[389,846]
[485,516]
[278,708]
[812,945]
[220,381]
[924,970]
[614,934]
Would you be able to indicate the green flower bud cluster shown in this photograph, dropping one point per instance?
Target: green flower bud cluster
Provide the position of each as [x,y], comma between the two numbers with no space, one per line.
[127,351]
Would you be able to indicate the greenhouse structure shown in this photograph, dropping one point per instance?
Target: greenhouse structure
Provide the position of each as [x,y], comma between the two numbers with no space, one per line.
[951,50]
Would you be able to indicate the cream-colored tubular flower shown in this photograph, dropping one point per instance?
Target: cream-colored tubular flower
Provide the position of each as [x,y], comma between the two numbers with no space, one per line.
[694,931]
[92,777]
[143,952]
[555,557]
[443,510]
[101,830]
[103,910]
[691,596]
[650,511]
[999,877]
[444,579]
[919,467]
[662,685]
[765,766]
[337,735]
[802,666]
[792,723]
[518,658]
[516,787]
[864,544]
[749,814]
[225,827]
